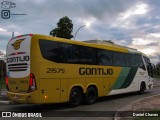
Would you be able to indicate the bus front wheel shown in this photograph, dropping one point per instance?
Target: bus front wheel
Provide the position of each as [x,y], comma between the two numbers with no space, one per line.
[91,95]
[142,88]
[75,97]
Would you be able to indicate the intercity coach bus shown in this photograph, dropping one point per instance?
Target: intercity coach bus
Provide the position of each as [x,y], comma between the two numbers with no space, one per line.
[44,69]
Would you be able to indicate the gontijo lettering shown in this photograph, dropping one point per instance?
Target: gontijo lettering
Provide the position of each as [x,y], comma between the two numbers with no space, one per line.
[95,71]
[18,59]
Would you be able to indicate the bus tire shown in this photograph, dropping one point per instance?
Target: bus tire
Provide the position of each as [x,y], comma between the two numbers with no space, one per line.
[91,95]
[142,88]
[75,97]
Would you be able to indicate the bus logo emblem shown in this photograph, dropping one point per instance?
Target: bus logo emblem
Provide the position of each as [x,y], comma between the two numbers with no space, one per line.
[16,44]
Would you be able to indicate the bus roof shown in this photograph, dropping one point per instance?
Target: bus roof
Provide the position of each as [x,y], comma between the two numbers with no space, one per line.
[101,45]
[94,45]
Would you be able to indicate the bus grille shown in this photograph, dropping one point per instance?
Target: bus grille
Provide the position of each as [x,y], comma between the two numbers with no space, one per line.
[18,67]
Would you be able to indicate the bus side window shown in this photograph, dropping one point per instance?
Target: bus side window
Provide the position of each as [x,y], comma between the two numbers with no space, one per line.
[119,59]
[129,60]
[86,55]
[150,69]
[72,54]
[50,50]
[64,52]
[148,66]
[105,57]
[139,62]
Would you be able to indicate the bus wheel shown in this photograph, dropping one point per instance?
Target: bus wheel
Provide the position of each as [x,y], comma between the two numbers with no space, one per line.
[91,95]
[142,88]
[75,97]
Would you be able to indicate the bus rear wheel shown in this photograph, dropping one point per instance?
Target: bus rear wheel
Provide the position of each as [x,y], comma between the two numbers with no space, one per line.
[91,95]
[75,97]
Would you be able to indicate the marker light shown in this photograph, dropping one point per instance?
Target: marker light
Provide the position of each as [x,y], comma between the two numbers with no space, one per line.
[45,96]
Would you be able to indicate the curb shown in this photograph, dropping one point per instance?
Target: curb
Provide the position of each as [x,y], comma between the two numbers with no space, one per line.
[6,102]
[156,85]
[116,117]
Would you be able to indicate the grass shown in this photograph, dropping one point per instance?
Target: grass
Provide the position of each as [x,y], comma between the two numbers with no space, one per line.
[157,77]
[2,83]
[156,74]
[148,118]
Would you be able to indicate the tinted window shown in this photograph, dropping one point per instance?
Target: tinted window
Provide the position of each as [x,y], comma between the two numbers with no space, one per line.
[72,53]
[105,57]
[134,60]
[67,53]
[130,60]
[147,61]
[118,59]
[76,54]
[139,61]
[86,55]
[50,50]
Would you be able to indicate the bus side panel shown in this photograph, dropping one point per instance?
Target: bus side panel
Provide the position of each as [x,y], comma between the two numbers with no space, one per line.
[110,81]
[140,76]
[135,81]
[50,90]
[73,82]
[64,94]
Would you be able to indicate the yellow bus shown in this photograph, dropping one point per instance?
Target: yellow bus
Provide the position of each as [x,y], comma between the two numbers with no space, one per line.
[44,69]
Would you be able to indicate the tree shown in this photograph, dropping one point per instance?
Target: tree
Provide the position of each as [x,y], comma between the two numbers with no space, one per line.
[64,28]
[158,69]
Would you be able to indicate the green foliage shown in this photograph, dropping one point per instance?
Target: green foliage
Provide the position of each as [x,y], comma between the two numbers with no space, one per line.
[156,71]
[147,118]
[64,28]
[2,83]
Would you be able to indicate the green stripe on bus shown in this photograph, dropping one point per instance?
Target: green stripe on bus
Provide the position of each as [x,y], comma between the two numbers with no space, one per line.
[122,77]
[129,77]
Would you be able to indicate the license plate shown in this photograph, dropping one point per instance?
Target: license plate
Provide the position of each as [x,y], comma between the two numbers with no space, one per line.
[16,97]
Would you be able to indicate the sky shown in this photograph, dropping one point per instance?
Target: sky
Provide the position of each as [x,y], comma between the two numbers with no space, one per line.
[131,23]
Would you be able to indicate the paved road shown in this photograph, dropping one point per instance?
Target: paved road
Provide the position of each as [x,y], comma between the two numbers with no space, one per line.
[106,107]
